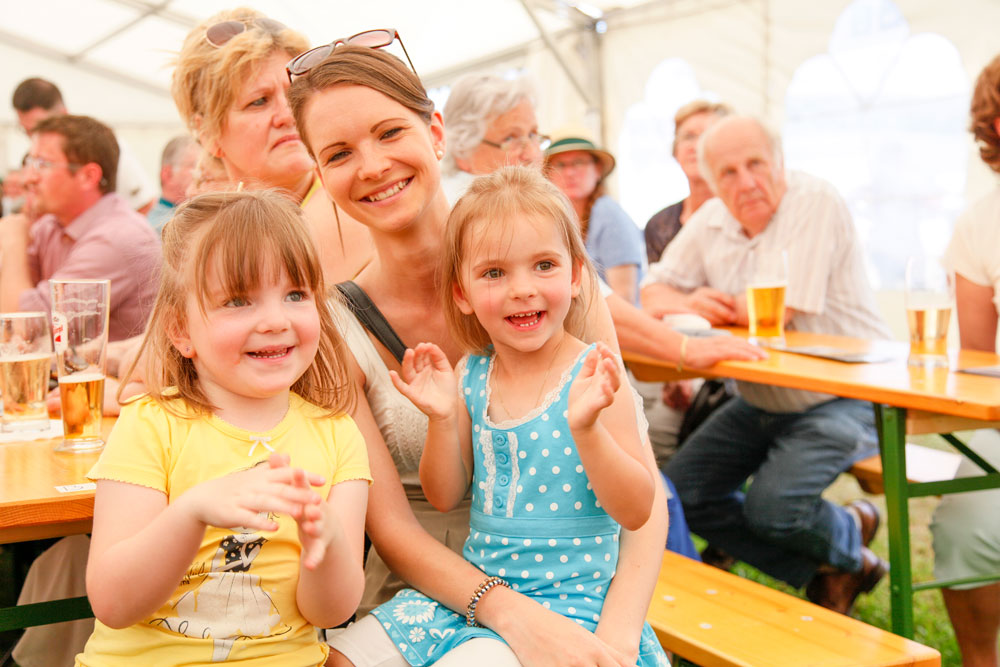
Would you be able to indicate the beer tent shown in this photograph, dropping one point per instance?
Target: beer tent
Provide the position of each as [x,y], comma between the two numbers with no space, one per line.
[870,94]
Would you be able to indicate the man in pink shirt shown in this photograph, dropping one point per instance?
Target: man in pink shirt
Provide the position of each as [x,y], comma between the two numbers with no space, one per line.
[86,230]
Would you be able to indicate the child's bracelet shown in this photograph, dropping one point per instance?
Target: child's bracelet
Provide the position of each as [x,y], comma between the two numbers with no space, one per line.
[680,359]
[481,590]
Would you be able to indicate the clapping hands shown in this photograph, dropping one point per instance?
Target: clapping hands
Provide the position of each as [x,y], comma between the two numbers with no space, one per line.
[427,379]
[594,388]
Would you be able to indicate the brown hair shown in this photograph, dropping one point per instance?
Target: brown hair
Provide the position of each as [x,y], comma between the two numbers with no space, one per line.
[207,79]
[86,140]
[360,66]
[693,109]
[985,110]
[501,198]
[245,237]
[36,93]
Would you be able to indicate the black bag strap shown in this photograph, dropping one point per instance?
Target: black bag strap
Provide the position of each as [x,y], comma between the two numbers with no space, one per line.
[372,318]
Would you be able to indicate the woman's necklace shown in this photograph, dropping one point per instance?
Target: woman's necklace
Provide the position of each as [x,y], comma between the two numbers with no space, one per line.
[541,388]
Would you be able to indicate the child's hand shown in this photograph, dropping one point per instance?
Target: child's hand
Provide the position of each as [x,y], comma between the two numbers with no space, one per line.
[317,528]
[244,499]
[594,387]
[428,381]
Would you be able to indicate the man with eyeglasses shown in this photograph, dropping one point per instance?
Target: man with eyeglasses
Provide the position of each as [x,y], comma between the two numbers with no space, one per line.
[85,229]
[36,99]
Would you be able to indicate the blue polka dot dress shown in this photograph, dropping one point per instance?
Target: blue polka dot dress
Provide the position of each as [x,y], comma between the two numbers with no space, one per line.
[535,521]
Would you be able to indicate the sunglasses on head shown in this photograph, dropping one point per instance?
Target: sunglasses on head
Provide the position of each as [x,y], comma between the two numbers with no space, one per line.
[303,63]
[219,33]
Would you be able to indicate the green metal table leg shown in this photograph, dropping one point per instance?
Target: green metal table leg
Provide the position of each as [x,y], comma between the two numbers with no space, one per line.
[43,613]
[891,423]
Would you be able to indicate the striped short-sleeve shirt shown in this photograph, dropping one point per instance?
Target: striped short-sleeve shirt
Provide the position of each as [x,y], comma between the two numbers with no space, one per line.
[828,286]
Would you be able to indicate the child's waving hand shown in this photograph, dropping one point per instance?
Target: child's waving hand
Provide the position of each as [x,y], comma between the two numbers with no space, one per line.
[594,388]
[428,381]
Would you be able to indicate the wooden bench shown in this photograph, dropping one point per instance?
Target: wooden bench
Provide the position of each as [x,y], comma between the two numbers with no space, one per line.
[713,618]
[923,464]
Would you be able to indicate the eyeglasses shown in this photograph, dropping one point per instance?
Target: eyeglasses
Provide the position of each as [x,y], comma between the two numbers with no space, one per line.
[218,34]
[563,165]
[520,143]
[41,164]
[303,63]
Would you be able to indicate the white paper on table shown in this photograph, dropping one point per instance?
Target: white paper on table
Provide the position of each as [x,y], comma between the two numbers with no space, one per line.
[54,430]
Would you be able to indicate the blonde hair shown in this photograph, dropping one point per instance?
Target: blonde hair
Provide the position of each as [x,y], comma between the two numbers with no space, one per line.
[985,109]
[243,237]
[207,79]
[693,109]
[500,198]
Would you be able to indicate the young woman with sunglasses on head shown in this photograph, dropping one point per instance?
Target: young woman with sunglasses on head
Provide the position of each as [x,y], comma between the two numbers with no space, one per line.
[368,122]
[229,86]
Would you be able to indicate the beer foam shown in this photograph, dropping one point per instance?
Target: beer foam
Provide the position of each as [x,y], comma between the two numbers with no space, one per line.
[768,285]
[31,356]
[80,377]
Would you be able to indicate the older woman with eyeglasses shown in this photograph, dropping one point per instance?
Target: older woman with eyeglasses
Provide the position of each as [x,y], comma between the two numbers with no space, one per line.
[229,86]
[489,122]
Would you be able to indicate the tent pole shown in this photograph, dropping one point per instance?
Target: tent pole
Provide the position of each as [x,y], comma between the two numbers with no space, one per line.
[559,59]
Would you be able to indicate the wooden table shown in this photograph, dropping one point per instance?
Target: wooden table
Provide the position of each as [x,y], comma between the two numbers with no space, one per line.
[907,400]
[32,508]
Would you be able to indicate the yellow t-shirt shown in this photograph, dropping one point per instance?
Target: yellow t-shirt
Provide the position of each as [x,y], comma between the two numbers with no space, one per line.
[237,601]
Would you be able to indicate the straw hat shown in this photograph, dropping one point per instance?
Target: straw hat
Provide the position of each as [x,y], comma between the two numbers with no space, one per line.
[577,139]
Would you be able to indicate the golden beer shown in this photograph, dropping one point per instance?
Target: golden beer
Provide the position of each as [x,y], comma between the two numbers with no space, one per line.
[24,380]
[929,331]
[82,399]
[766,311]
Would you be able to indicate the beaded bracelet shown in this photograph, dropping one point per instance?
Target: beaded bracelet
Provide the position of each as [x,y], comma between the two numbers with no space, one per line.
[680,359]
[481,590]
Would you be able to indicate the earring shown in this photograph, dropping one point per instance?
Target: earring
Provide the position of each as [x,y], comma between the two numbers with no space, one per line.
[439,153]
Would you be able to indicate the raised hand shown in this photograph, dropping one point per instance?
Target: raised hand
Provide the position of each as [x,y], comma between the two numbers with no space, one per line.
[594,387]
[317,527]
[247,498]
[428,380]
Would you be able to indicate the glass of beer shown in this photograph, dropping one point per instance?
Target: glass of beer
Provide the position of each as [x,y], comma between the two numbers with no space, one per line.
[929,298]
[25,360]
[80,338]
[766,287]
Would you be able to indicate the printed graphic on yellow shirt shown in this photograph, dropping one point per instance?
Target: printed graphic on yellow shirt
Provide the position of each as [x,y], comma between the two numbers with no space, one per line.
[229,604]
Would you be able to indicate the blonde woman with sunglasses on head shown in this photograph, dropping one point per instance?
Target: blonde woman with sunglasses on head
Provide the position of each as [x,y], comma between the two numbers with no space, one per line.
[378,140]
[229,86]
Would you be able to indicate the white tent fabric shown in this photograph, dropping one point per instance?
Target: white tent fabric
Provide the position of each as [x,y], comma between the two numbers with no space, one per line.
[860,88]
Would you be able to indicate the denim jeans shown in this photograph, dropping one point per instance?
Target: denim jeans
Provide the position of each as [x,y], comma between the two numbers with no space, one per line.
[678,535]
[780,525]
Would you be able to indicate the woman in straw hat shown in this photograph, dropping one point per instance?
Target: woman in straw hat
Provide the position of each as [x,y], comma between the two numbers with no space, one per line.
[578,168]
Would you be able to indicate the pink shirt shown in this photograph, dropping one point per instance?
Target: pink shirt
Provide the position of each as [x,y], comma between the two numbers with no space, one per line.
[108,240]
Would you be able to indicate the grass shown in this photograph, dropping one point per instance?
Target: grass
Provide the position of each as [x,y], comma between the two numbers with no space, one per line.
[931,623]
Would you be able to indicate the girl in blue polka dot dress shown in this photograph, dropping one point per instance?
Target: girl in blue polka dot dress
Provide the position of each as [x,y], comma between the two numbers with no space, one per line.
[537,422]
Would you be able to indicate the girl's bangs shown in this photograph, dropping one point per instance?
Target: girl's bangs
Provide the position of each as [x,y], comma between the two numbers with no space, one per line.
[242,253]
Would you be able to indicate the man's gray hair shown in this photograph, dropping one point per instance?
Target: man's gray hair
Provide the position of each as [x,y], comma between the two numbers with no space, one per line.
[772,137]
[474,101]
[174,148]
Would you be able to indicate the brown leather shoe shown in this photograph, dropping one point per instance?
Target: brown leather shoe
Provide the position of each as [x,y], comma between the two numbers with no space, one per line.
[716,557]
[838,590]
[868,518]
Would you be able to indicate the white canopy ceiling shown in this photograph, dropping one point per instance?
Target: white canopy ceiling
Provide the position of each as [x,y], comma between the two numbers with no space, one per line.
[870,94]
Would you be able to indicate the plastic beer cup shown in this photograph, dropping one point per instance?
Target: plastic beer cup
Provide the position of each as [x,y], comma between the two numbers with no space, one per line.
[80,338]
[766,287]
[25,362]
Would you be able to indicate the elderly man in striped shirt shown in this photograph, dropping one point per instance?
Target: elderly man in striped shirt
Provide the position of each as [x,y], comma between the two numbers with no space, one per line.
[792,443]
